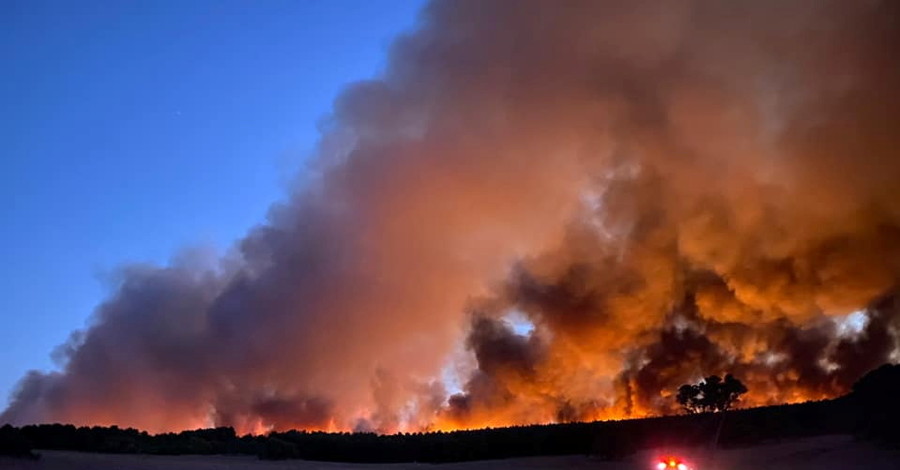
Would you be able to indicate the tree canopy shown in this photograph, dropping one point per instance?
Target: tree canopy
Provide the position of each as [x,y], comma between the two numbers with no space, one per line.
[712,394]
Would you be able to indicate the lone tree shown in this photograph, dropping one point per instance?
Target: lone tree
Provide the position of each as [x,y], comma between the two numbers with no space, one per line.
[712,394]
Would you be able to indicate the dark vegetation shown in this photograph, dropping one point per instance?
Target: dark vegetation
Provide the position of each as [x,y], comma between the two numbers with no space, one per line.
[711,395]
[872,411]
[877,399]
[14,443]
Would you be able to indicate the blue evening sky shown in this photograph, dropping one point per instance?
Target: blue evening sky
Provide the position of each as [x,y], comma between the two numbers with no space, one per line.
[131,129]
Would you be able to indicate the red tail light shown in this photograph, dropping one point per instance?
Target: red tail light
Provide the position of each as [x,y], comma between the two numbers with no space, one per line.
[671,463]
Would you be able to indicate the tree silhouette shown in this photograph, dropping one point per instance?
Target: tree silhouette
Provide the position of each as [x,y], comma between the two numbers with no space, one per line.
[712,394]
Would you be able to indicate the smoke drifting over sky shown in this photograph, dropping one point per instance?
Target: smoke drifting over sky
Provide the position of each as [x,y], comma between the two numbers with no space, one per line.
[666,190]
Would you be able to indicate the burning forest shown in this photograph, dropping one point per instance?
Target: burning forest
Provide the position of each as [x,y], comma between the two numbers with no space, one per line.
[541,212]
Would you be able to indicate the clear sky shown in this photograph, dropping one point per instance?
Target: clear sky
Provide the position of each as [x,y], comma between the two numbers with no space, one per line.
[129,130]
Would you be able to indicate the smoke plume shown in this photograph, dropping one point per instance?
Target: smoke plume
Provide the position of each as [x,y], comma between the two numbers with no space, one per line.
[662,190]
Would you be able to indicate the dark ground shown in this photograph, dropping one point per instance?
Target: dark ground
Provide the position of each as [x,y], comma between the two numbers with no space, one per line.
[821,453]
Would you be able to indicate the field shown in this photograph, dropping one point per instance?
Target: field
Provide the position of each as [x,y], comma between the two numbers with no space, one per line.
[821,453]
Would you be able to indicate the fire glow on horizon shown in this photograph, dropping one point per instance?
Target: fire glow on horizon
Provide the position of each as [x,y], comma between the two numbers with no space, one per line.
[542,212]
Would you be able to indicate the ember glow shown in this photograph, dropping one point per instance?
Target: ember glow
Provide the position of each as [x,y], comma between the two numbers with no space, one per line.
[570,208]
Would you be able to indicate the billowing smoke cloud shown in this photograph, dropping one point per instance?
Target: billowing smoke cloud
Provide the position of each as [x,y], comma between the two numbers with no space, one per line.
[663,189]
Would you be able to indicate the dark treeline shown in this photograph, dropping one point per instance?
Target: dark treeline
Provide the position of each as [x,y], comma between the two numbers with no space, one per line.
[116,440]
[608,439]
[871,411]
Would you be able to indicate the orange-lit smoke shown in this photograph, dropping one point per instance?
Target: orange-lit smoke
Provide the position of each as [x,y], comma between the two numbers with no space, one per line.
[664,190]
